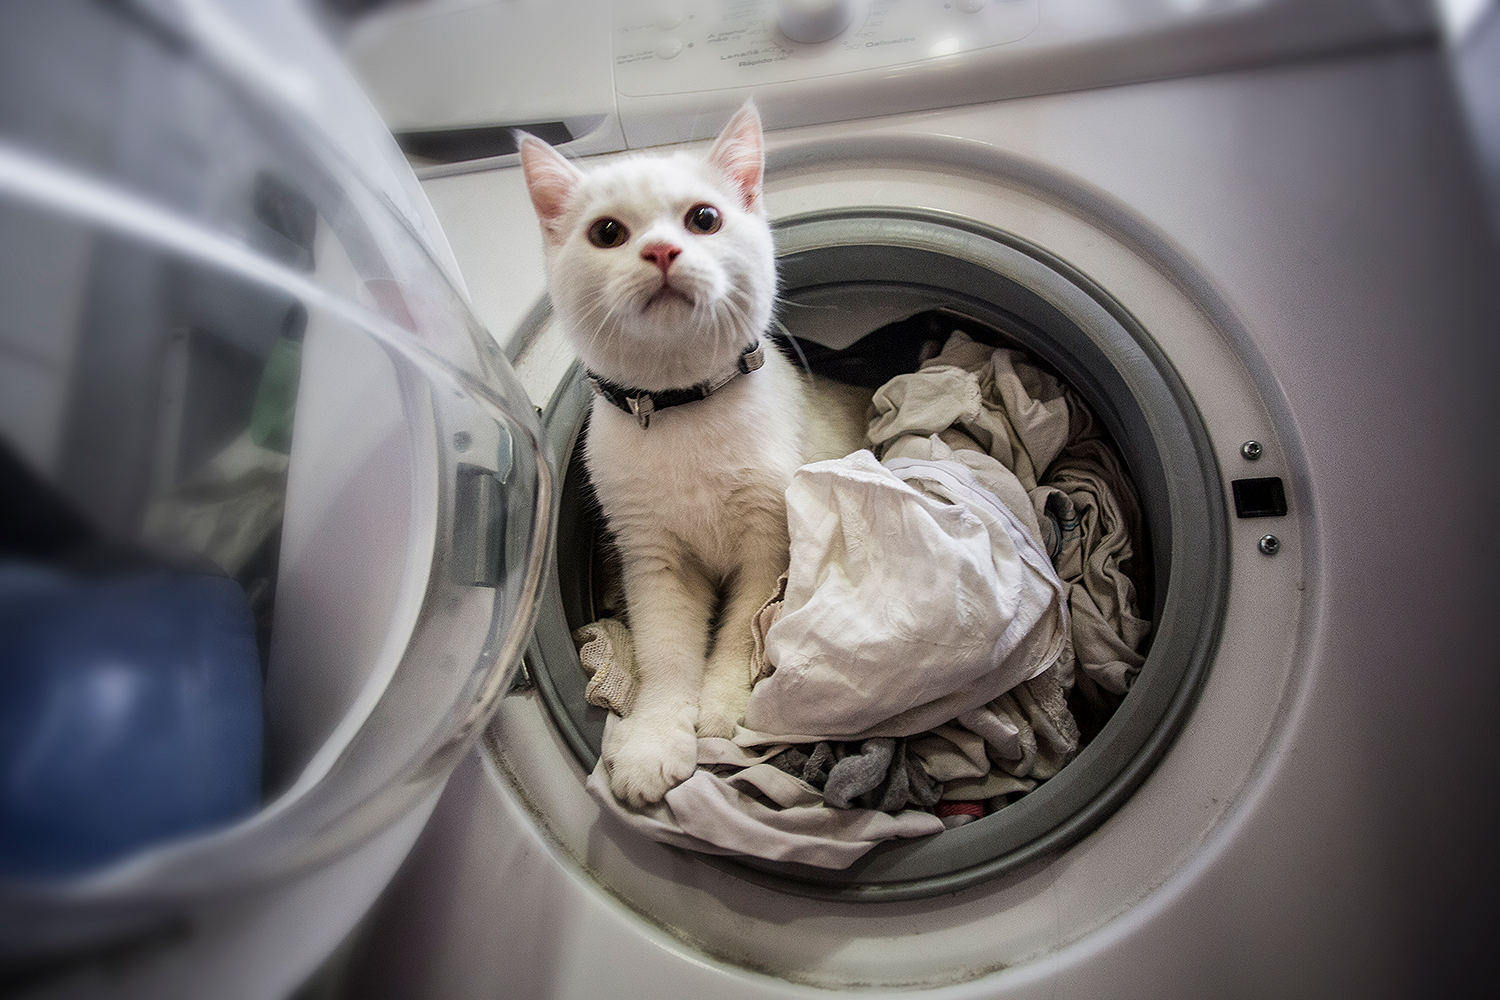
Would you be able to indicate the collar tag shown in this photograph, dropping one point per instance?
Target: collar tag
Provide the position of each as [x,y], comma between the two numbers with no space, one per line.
[642,406]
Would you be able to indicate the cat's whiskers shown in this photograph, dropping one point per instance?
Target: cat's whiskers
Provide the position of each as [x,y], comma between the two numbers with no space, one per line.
[589,308]
[796,347]
[706,312]
[741,304]
[717,320]
[600,300]
[598,331]
[791,303]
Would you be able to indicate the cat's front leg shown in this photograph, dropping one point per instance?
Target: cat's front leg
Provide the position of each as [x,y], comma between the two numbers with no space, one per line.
[655,747]
[726,678]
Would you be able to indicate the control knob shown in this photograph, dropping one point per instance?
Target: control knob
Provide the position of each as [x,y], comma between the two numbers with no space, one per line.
[813,20]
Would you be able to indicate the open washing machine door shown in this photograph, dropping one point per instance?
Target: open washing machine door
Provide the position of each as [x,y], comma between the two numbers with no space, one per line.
[275,511]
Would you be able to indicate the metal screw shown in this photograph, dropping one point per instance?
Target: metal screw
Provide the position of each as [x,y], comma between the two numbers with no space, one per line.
[1251,450]
[1269,544]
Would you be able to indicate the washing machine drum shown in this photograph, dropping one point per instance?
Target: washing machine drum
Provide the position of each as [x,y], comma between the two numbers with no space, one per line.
[867,296]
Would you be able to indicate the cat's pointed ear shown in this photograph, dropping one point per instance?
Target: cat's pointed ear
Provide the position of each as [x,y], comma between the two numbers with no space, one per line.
[550,180]
[739,153]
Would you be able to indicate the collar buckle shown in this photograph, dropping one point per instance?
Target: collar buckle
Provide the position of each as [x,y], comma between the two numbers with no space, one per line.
[752,359]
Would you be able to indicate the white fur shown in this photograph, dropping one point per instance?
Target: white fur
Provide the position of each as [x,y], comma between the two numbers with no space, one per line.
[696,501]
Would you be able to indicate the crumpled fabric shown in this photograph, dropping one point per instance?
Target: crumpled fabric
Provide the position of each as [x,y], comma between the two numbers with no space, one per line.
[980,445]
[877,773]
[975,399]
[1091,517]
[736,803]
[913,595]
[879,776]
[1004,418]
[608,657]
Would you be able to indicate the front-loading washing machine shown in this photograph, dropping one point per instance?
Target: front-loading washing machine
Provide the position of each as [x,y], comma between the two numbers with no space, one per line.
[1251,236]
[1247,232]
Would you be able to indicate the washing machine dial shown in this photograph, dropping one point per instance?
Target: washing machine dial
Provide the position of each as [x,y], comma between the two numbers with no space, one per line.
[813,20]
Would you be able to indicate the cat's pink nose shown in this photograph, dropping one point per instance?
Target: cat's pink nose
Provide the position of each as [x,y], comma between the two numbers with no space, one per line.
[660,254]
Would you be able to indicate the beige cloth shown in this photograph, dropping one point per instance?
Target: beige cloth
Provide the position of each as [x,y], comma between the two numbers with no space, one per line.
[735,803]
[975,398]
[985,407]
[1091,509]
[608,657]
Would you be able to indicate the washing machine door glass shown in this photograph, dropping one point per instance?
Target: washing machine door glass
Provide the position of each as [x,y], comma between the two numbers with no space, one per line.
[273,510]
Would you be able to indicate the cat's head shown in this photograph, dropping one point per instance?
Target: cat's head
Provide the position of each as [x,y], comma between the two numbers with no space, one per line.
[661,268]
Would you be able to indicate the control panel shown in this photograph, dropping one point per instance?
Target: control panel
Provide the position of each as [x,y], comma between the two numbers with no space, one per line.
[666,47]
[603,75]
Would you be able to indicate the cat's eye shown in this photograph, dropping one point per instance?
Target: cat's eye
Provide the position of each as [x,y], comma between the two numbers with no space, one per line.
[703,219]
[607,233]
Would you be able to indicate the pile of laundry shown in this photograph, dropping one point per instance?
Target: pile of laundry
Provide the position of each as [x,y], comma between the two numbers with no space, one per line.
[949,592]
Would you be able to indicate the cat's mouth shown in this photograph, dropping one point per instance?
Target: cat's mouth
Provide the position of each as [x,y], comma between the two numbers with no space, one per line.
[665,295]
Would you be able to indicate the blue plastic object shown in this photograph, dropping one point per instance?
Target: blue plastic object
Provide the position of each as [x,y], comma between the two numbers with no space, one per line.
[130,713]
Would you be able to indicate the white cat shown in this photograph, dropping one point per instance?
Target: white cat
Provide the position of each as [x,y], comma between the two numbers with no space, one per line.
[662,271]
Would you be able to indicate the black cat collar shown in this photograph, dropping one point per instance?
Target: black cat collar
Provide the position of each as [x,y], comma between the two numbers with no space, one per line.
[642,402]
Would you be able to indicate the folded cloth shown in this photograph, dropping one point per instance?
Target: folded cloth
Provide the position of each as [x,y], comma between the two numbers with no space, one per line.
[951,753]
[1028,731]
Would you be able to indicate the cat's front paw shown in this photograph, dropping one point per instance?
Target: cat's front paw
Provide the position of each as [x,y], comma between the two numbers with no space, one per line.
[648,757]
[718,717]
